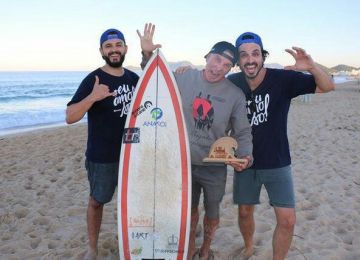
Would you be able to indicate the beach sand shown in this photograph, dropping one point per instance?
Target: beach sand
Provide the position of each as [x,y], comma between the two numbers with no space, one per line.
[44,190]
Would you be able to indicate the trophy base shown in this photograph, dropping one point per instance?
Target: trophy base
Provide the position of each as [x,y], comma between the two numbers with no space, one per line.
[223,151]
[222,160]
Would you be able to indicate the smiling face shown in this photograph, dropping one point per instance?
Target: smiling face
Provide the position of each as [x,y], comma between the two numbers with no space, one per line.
[251,61]
[217,66]
[113,52]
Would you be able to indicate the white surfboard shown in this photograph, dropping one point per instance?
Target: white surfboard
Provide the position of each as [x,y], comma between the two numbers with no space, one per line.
[154,189]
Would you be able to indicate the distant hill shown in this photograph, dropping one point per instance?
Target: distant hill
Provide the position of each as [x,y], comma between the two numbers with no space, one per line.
[340,69]
[345,70]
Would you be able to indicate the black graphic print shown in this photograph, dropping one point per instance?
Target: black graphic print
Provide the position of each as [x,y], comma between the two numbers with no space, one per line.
[203,112]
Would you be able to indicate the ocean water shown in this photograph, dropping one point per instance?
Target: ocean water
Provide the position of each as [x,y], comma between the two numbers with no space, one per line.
[34,99]
[31,100]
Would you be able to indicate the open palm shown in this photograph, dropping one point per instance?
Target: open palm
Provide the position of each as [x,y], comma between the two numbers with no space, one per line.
[303,61]
[146,40]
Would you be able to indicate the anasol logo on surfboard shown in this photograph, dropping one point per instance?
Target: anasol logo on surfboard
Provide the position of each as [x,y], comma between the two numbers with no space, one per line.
[156,114]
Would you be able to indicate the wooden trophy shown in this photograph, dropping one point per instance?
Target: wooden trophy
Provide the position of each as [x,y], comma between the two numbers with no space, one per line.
[223,150]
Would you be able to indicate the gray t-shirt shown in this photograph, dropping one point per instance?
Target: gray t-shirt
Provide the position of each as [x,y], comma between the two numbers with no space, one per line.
[211,110]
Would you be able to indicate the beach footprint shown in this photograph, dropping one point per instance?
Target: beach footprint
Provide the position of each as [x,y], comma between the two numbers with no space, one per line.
[21,212]
[263,228]
[34,242]
[238,254]
[311,215]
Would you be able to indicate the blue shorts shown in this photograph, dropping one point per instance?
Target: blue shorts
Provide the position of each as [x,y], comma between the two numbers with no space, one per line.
[211,180]
[103,179]
[278,184]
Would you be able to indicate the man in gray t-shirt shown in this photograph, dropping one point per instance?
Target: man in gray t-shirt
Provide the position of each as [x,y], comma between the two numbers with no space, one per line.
[212,107]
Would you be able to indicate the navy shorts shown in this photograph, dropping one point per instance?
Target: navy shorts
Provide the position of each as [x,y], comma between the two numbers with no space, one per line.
[103,179]
[211,180]
[278,184]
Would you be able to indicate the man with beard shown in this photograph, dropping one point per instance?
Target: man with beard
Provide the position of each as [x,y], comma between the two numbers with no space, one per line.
[268,94]
[105,96]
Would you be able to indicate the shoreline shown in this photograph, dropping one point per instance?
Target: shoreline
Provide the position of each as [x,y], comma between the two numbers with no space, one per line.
[28,129]
[44,190]
[35,128]
[31,128]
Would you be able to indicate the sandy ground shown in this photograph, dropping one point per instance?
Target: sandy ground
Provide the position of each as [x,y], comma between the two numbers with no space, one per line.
[44,190]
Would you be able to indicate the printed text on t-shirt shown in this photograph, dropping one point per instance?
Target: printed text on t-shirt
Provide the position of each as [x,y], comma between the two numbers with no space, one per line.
[259,113]
[122,99]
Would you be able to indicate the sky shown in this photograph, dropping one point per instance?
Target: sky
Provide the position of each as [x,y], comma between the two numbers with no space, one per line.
[64,34]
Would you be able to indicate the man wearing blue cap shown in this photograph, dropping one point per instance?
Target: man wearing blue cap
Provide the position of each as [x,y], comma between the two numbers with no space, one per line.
[105,96]
[268,93]
[212,106]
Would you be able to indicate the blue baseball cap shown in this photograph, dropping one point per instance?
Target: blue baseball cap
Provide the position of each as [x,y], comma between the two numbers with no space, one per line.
[111,34]
[248,37]
[227,50]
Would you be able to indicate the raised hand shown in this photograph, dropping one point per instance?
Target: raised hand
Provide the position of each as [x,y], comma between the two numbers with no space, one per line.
[146,40]
[100,91]
[303,61]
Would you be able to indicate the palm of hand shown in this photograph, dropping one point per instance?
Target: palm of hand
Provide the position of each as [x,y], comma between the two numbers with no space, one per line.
[146,40]
[147,44]
[303,62]
[101,91]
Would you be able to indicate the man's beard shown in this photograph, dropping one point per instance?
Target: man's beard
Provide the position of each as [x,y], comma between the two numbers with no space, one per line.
[116,64]
[253,76]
